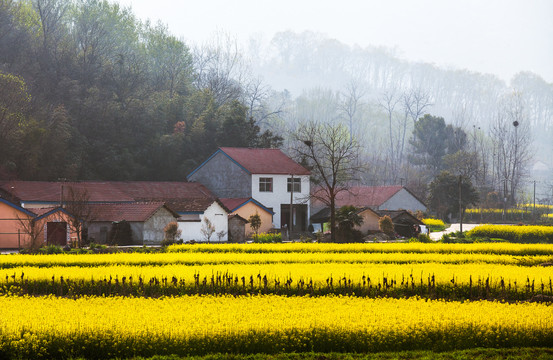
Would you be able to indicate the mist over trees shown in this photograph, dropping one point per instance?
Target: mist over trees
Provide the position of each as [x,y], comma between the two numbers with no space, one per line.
[98,94]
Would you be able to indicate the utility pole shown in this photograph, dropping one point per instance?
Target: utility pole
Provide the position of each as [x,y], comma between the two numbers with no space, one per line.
[291,207]
[534,210]
[460,207]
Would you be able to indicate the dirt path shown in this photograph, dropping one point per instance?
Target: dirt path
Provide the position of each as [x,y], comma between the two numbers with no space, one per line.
[453,228]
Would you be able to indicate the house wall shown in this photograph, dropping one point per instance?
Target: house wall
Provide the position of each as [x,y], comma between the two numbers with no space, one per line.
[9,225]
[191,229]
[236,230]
[95,232]
[251,209]
[223,177]
[280,194]
[370,222]
[154,227]
[403,200]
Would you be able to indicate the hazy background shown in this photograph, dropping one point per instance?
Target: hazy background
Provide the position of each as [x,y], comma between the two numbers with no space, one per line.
[497,37]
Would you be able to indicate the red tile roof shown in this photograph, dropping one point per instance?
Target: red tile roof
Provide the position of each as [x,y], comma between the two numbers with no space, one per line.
[233,203]
[49,191]
[366,196]
[132,212]
[265,161]
[179,196]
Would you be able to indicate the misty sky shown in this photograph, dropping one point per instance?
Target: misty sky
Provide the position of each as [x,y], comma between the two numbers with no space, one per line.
[501,37]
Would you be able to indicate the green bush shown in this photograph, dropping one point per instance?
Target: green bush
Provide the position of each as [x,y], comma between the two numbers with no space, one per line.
[264,238]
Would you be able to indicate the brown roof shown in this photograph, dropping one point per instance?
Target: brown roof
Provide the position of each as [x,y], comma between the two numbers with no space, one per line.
[132,212]
[233,203]
[366,196]
[264,161]
[50,191]
[179,196]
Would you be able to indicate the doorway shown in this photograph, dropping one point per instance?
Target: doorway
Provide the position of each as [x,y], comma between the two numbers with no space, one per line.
[56,233]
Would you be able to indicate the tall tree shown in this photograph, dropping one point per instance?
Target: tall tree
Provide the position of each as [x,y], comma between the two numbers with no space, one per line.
[332,155]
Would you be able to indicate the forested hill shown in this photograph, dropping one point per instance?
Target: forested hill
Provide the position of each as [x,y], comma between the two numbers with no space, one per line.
[87,91]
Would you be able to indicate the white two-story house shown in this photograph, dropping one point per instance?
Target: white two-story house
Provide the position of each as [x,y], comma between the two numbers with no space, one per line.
[266,175]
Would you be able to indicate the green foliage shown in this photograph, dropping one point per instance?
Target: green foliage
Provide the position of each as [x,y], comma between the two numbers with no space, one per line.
[120,233]
[255,222]
[444,194]
[432,139]
[347,218]
[521,234]
[434,224]
[386,225]
[51,249]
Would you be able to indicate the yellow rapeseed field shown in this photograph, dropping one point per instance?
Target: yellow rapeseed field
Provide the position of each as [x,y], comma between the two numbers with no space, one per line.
[109,327]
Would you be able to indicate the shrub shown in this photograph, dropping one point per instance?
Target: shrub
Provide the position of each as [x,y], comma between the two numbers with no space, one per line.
[434,224]
[520,234]
[172,232]
[264,238]
[386,225]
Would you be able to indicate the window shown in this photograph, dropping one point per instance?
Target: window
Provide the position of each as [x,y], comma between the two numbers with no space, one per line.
[265,184]
[297,184]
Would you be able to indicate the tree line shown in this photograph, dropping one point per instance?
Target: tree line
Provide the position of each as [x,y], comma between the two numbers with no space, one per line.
[87,91]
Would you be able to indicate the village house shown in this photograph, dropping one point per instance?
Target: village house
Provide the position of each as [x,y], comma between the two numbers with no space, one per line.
[20,227]
[393,197]
[374,202]
[267,175]
[149,206]
[246,207]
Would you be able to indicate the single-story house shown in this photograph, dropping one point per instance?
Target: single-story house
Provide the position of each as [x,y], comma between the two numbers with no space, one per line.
[236,228]
[404,222]
[246,207]
[20,227]
[147,221]
[375,197]
[193,202]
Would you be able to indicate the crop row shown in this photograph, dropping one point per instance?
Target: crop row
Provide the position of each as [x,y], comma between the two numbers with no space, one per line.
[527,234]
[474,281]
[216,257]
[99,327]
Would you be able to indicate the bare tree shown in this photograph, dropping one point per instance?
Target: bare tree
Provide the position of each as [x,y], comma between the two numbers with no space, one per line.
[389,101]
[33,229]
[512,140]
[77,203]
[350,103]
[208,229]
[332,156]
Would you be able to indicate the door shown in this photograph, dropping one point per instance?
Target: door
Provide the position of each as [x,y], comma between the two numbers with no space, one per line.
[56,233]
[299,216]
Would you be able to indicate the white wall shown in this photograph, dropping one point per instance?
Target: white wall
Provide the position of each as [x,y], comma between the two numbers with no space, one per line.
[280,194]
[191,230]
[403,200]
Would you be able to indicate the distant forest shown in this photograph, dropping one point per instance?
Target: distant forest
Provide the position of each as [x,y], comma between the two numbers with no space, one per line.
[88,91]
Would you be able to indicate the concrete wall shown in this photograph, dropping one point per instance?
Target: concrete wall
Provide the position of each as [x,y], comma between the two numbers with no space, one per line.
[191,229]
[95,233]
[370,222]
[403,200]
[251,209]
[153,232]
[236,230]
[280,194]
[10,224]
[223,177]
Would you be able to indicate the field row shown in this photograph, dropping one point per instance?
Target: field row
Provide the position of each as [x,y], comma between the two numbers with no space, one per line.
[430,280]
[123,327]
[416,248]
[214,258]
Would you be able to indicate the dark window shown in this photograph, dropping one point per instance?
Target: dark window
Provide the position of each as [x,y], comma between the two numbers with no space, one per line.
[297,185]
[266,184]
